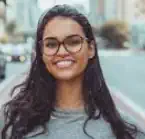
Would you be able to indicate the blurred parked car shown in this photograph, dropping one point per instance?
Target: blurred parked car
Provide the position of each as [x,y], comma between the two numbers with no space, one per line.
[15,53]
[3,63]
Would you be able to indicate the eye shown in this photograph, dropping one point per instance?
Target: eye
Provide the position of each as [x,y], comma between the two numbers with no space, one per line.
[51,44]
[73,41]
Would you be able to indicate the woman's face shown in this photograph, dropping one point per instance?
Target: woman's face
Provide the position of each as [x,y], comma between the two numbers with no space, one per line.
[71,59]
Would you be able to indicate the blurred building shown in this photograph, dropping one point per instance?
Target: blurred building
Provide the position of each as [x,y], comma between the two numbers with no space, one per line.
[25,13]
[139,7]
[2,18]
[102,10]
[125,10]
[11,10]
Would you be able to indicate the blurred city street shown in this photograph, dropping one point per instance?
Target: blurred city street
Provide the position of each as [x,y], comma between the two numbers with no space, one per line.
[16,68]
[126,73]
[119,29]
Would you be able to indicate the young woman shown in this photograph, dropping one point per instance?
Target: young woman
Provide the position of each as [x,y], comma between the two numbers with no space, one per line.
[65,95]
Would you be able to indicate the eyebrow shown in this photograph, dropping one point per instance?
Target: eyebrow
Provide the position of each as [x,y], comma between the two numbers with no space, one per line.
[51,37]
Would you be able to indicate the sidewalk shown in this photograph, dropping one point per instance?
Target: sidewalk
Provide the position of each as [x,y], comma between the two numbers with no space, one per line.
[129,108]
[7,86]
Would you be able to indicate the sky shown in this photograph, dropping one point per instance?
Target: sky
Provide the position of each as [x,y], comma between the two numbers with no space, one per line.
[44,4]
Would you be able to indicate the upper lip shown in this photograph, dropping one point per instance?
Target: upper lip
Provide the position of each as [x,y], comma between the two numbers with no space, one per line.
[67,59]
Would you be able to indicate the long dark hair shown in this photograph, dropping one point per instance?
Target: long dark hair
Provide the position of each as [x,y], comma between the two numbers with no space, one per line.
[33,105]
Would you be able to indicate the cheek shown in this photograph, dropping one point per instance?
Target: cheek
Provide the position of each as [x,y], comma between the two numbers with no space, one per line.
[83,59]
[47,62]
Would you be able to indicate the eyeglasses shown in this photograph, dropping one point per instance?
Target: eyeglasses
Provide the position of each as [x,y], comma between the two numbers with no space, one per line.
[72,44]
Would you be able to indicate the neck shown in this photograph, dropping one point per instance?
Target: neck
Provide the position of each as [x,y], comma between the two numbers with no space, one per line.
[69,94]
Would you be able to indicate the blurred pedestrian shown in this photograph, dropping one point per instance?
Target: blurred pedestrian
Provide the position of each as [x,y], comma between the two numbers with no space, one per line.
[65,95]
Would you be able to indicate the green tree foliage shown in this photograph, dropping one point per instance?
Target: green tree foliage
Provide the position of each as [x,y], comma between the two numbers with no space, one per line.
[10,27]
[4,1]
[116,32]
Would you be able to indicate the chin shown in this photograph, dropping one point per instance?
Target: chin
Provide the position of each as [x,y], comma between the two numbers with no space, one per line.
[66,74]
[64,77]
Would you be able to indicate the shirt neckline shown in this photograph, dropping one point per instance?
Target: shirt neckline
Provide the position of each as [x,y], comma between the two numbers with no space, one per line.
[68,113]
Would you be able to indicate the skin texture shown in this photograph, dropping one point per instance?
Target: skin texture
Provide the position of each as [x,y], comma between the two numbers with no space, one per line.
[69,79]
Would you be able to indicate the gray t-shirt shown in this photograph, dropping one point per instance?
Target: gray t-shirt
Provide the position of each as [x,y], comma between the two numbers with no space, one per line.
[68,124]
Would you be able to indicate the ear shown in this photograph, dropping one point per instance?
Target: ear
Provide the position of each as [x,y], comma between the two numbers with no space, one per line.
[91,50]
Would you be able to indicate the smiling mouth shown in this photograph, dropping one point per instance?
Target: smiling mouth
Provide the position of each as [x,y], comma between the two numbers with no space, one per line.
[64,63]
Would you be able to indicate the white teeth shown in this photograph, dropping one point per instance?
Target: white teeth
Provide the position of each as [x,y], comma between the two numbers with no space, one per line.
[63,64]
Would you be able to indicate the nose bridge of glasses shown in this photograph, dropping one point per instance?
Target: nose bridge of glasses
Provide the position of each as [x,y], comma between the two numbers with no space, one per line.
[61,48]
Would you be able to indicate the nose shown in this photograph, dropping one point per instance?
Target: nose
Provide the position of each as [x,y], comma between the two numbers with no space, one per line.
[62,50]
